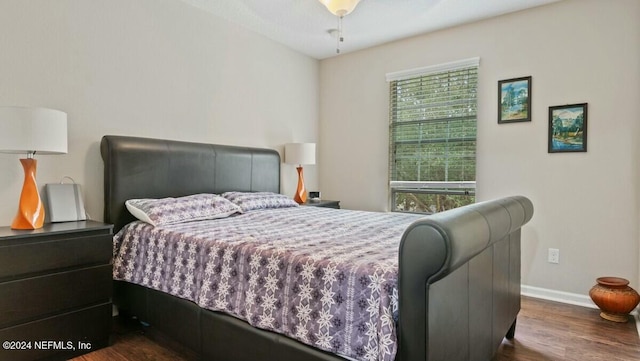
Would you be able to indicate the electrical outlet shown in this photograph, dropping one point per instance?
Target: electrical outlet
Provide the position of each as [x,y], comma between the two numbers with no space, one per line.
[554,255]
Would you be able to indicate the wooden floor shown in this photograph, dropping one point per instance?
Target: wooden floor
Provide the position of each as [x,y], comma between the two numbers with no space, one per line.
[557,331]
[545,331]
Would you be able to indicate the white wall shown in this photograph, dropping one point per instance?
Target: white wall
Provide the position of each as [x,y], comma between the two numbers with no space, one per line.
[586,204]
[152,68]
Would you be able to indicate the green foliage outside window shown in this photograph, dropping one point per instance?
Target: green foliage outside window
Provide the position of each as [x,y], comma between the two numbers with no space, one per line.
[430,202]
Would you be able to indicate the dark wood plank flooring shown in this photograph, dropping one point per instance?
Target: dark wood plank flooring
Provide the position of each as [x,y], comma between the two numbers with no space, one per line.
[556,331]
[546,331]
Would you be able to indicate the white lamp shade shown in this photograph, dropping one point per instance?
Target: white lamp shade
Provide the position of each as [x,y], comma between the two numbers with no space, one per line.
[300,153]
[29,130]
[340,7]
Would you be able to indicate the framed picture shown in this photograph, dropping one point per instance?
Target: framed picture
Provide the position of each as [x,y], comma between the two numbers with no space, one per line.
[568,128]
[514,100]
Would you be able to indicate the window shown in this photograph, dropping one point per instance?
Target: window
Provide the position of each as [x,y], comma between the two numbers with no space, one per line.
[432,137]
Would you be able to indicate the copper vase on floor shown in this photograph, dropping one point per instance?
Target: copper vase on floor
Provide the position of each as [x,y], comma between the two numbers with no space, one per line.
[615,298]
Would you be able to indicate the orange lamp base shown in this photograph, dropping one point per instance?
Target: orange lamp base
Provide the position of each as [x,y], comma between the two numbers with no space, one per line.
[301,193]
[30,211]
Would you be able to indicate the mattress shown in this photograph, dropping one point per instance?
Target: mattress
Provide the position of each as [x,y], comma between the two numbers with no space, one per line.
[325,277]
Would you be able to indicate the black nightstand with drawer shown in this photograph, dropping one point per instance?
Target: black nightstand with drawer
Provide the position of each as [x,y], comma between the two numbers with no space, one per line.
[322,203]
[55,290]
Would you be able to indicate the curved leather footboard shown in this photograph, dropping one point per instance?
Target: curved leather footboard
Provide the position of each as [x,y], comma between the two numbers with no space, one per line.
[465,265]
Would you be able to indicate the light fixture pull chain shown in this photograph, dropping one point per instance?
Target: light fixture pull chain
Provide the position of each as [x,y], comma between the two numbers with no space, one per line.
[339,38]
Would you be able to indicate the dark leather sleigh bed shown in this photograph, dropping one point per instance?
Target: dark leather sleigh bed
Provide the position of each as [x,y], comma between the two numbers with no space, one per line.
[458,271]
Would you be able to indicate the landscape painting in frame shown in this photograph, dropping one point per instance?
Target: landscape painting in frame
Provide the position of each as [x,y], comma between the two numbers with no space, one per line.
[568,128]
[514,100]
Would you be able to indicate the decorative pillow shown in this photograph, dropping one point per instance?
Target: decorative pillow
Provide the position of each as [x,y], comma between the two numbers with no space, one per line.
[196,207]
[259,200]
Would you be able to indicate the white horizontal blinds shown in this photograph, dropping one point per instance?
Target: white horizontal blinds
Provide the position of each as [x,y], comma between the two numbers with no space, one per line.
[433,129]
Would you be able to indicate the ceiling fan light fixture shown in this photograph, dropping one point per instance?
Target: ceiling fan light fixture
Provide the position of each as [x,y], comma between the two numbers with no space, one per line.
[340,7]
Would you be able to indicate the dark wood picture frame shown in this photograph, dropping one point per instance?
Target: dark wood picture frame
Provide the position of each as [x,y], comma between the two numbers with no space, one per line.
[514,100]
[568,128]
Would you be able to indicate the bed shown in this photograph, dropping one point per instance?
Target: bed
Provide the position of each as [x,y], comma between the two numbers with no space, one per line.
[457,285]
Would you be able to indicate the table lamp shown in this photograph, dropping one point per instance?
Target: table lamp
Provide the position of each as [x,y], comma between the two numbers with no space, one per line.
[31,130]
[300,153]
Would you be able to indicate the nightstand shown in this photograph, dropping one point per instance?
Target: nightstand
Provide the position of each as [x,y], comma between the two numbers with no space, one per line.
[322,203]
[55,290]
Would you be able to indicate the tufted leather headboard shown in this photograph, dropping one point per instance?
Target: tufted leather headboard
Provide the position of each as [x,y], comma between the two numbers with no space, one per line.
[156,168]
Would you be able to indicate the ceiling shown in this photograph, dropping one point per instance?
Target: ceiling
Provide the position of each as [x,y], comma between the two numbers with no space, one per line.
[304,25]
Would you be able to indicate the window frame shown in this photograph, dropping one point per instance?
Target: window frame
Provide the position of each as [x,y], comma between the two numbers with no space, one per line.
[466,188]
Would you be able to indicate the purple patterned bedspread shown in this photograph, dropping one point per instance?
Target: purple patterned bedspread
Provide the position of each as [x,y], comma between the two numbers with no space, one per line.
[325,277]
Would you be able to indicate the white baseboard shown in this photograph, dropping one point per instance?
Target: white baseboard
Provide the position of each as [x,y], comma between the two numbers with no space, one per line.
[570,298]
[558,296]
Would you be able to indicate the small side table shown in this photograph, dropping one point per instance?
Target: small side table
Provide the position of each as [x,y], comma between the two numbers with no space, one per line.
[322,203]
